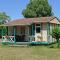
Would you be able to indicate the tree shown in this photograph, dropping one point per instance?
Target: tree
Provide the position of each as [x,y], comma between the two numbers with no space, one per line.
[56,34]
[4,18]
[37,8]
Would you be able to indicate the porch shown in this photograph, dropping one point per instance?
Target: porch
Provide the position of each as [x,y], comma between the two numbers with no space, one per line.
[18,34]
[29,34]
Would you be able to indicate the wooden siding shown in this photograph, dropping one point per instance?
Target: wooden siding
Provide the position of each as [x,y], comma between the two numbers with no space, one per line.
[55,21]
[52,26]
[10,31]
[44,32]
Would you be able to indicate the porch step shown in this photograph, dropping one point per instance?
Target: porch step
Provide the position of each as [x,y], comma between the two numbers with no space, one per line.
[17,45]
[22,43]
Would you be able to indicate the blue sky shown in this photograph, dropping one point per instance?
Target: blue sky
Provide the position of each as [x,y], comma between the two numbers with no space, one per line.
[14,8]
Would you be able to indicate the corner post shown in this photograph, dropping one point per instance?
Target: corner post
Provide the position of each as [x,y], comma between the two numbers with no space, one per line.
[33,31]
[7,30]
[2,30]
[2,33]
[14,30]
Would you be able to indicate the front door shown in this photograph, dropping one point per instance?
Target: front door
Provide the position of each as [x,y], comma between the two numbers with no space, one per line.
[38,32]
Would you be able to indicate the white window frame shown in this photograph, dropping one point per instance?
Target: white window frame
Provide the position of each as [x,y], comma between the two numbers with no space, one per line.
[36,27]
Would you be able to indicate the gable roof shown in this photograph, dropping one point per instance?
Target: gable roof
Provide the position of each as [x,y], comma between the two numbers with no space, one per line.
[28,21]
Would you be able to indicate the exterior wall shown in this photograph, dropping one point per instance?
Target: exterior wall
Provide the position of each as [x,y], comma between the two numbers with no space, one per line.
[50,39]
[52,26]
[22,30]
[18,31]
[10,31]
[44,32]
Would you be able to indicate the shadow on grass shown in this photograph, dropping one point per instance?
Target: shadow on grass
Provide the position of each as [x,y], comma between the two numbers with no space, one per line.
[55,45]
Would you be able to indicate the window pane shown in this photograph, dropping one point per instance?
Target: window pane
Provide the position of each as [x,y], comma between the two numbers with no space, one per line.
[37,29]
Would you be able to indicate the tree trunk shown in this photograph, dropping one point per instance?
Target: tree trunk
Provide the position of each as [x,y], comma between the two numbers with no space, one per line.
[58,43]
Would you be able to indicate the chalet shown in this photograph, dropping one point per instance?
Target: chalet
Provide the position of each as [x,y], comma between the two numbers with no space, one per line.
[33,30]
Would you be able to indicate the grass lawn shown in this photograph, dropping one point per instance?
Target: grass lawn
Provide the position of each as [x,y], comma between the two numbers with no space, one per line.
[29,53]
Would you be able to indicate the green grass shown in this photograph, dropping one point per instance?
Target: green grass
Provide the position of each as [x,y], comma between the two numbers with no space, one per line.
[29,53]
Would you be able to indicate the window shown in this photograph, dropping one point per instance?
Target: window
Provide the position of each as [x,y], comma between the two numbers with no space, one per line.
[37,29]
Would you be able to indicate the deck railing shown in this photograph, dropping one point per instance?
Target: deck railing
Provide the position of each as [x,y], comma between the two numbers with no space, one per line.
[11,39]
[8,39]
[31,38]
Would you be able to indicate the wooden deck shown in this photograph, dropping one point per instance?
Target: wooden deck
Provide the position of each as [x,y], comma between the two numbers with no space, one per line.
[23,43]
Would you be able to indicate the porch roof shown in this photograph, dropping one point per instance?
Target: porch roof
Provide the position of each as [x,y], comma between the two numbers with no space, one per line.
[29,21]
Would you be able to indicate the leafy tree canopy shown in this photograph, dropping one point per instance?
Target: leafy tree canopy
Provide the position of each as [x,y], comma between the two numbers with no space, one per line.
[4,18]
[37,8]
[56,34]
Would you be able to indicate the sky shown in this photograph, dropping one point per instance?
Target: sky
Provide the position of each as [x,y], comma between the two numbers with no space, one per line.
[13,8]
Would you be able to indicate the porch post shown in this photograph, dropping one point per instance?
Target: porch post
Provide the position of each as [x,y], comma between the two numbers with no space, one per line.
[14,29]
[33,29]
[2,33]
[2,30]
[7,30]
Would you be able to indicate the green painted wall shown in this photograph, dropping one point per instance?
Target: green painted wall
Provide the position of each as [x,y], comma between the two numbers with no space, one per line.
[32,29]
